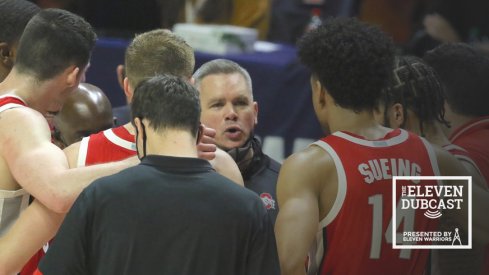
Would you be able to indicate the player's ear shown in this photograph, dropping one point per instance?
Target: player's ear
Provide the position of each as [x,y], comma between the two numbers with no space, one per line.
[128,91]
[398,118]
[121,74]
[6,55]
[200,133]
[73,76]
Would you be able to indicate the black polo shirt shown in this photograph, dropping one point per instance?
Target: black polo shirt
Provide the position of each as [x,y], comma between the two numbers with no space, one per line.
[168,215]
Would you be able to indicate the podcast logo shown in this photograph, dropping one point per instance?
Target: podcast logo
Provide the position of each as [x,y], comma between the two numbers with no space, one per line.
[425,201]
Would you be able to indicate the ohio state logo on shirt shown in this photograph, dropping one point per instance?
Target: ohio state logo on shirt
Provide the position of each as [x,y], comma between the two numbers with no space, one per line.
[267,200]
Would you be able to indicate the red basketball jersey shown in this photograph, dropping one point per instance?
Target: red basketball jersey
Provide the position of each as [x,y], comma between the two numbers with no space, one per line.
[356,235]
[473,137]
[110,145]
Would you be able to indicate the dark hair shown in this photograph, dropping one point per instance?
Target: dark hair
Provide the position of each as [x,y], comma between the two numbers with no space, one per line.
[221,66]
[167,102]
[464,72]
[415,85]
[351,59]
[158,52]
[52,41]
[14,15]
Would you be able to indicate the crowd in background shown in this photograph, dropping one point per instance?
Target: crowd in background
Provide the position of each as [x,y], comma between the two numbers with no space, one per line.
[415,25]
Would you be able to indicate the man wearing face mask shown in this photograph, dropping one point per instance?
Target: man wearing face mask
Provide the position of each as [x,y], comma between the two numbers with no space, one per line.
[172,214]
[228,107]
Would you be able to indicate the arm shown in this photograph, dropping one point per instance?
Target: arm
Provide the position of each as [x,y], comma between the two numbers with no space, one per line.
[298,192]
[19,243]
[71,153]
[39,166]
[226,166]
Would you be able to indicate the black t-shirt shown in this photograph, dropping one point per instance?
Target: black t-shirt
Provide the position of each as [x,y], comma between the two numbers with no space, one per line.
[167,215]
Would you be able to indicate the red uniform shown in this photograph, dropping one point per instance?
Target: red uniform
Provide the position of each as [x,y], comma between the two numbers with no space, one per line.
[360,220]
[474,137]
[9,102]
[110,145]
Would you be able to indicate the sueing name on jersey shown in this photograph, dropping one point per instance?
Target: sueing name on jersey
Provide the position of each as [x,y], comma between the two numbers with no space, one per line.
[382,169]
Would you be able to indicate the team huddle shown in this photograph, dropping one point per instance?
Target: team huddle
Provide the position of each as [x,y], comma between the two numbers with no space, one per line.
[184,187]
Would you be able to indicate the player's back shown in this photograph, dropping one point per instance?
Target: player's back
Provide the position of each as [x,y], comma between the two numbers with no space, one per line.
[355,237]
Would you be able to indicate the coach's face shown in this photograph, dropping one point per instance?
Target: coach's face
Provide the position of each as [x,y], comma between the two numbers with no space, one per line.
[228,107]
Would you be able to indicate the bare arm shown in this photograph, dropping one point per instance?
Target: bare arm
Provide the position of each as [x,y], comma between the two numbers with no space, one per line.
[19,243]
[40,167]
[226,166]
[71,153]
[298,219]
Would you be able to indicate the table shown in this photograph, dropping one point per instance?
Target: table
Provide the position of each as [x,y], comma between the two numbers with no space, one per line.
[286,120]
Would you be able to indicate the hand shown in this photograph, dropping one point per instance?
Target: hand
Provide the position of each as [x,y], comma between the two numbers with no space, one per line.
[206,147]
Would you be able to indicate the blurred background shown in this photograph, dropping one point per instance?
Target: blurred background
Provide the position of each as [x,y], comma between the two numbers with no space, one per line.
[281,84]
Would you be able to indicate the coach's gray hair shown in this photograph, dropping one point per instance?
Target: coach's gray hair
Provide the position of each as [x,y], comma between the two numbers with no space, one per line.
[221,66]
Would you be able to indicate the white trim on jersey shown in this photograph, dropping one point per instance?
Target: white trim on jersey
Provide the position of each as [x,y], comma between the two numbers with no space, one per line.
[6,194]
[10,106]
[112,137]
[403,136]
[468,127]
[340,196]
[83,152]
[14,96]
[452,146]
[12,210]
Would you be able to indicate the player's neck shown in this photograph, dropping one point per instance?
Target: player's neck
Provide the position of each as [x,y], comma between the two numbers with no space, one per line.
[28,88]
[456,121]
[433,132]
[130,128]
[169,142]
[18,84]
[362,123]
